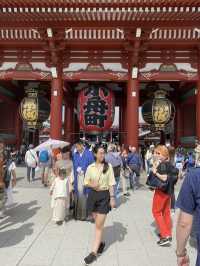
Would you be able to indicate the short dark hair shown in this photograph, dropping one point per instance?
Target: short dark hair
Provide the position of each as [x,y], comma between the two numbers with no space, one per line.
[80,142]
[66,149]
[62,171]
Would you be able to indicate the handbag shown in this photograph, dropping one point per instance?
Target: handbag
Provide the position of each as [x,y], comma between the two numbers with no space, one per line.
[156,183]
[135,169]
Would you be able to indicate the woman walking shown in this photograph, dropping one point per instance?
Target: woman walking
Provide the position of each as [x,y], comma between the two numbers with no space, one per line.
[101,181]
[113,157]
[125,172]
[165,172]
[31,160]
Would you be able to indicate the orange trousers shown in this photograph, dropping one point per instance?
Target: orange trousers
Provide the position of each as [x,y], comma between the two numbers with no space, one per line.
[162,213]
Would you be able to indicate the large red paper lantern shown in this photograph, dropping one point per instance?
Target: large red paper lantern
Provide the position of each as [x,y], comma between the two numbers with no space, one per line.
[96,109]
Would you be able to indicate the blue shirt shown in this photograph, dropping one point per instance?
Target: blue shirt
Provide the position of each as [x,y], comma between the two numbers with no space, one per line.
[189,200]
[83,161]
[134,158]
[113,158]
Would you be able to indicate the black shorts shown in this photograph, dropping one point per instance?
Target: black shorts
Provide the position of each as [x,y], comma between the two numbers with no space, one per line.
[98,202]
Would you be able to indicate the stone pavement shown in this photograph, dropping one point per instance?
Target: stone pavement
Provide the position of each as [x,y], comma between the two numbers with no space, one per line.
[29,238]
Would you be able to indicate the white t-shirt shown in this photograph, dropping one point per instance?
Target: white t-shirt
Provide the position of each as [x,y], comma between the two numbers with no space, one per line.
[11,168]
[60,188]
[31,158]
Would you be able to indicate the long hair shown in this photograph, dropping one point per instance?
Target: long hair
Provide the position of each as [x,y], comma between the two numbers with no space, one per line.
[105,164]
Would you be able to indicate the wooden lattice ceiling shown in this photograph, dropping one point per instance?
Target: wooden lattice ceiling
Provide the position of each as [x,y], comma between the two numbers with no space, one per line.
[98,3]
[98,13]
[99,31]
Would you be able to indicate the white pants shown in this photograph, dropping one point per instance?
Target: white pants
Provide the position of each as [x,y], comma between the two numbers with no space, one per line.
[9,194]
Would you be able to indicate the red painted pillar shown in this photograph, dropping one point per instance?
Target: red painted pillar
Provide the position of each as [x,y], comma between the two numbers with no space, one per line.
[132,112]
[198,109]
[68,122]
[125,123]
[56,108]
[178,125]
[120,124]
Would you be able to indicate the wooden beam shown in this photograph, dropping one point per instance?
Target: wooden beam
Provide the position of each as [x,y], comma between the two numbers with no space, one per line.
[97,4]
[133,24]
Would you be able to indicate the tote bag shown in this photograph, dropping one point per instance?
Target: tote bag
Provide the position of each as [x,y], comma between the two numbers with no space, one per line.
[156,183]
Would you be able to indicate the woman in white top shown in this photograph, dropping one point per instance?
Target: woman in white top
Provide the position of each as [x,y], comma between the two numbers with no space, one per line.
[31,160]
[100,179]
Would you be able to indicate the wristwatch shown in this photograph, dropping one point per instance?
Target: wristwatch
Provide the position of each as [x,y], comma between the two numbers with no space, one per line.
[181,255]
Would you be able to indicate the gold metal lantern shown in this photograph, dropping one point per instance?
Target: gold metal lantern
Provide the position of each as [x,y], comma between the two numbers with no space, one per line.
[158,111]
[34,109]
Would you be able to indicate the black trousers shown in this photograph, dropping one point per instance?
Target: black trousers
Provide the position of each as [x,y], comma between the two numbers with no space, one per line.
[173,201]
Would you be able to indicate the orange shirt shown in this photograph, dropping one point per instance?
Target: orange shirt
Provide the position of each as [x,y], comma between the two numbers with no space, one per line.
[55,152]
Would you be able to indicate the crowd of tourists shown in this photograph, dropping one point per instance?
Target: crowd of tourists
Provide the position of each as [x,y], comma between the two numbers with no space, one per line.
[73,162]
[86,182]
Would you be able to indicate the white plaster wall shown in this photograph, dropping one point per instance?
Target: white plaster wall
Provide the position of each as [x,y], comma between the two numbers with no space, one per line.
[156,66]
[41,66]
[114,67]
[150,66]
[11,65]
[107,66]
[185,66]
[8,65]
[116,118]
[76,67]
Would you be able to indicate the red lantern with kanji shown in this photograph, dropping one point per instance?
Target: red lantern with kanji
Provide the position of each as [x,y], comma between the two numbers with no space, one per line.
[96,109]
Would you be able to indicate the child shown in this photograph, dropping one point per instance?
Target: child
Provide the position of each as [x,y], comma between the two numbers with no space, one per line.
[60,196]
[10,179]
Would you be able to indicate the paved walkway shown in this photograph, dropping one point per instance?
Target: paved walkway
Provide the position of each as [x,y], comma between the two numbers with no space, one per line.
[29,238]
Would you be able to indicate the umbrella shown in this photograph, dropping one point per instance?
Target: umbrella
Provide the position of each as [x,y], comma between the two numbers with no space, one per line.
[51,144]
